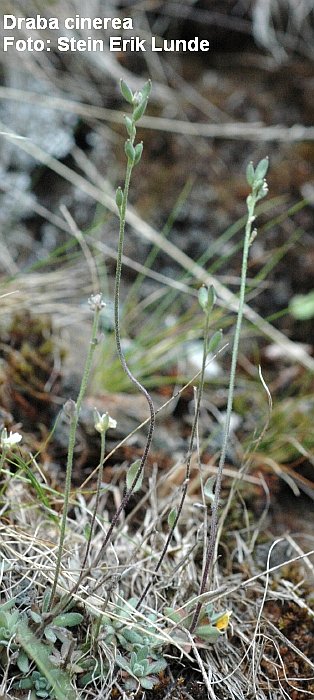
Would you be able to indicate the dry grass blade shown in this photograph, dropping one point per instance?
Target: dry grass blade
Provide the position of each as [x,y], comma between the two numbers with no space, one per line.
[226,297]
[240,131]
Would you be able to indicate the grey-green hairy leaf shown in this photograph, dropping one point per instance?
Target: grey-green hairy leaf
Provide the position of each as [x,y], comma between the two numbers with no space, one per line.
[70,619]
[172,518]
[39,653]
[131,476]
[22,662]
[209,488]
[208,633]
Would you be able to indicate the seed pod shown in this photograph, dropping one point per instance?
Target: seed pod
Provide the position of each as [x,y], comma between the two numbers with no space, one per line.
[146,90]
[119,197]
[250,175]
[129,150]
[138,152]
[126,92]
[207,298]
[139,110]
[130,127]
[214,341]
[261,169]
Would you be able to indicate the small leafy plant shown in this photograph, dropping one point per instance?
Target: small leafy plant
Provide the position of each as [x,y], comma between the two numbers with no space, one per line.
[139,669]
[43,637]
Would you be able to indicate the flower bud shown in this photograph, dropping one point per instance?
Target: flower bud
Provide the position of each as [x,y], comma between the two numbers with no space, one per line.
[103,421]
[69,409]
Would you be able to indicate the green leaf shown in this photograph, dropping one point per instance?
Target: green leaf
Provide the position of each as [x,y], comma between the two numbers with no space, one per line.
[132,636]
[35,616]
[50,635]
[131,476]
[126,91]
[7,606]
[148,683]
[157,666]
[208,489]
[123,663]
[208,633]
[142,654]
[23,684]
[172,517]
[22,662]
[39,653]
[70,619]
[172,615]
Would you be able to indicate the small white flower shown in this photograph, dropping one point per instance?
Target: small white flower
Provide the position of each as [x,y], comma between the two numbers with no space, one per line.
[103,422]
[8,441]
[137,97]
[96,303]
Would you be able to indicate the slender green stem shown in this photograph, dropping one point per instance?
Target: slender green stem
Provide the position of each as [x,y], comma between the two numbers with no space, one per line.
[188,465]
[74,411]
[133,379]
[215,506]
[98,490]
[2,459]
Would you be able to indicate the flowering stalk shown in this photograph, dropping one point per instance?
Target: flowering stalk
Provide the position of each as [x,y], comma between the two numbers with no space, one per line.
[206,299]
[102,423]
[133,153]
[255,179]
[72,410]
